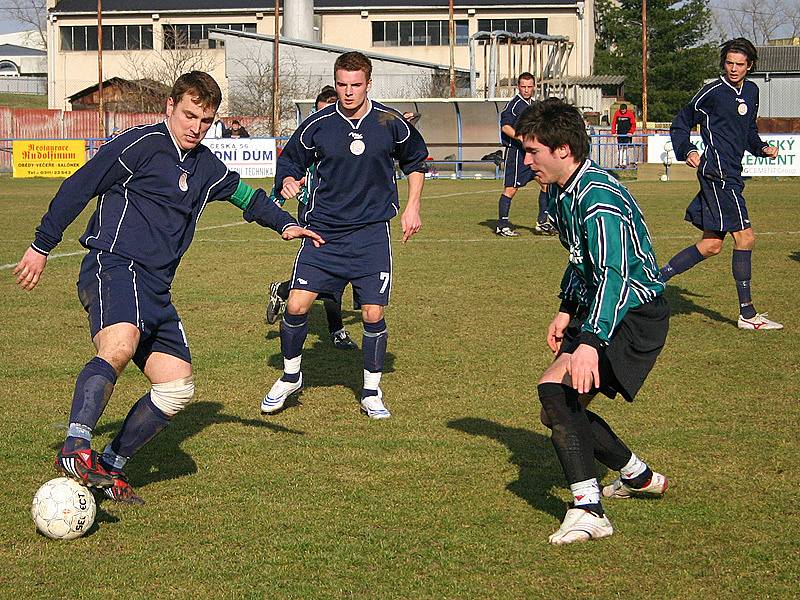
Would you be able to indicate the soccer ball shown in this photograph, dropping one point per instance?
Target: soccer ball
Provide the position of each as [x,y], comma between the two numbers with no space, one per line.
[664,177]
[63,509]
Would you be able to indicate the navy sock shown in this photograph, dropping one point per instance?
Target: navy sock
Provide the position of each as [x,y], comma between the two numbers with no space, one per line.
[543,216]
[294,329]
[503,209]
[682,261]
[373,347]
[640,481]
[741,265]
[93,388]
[143,423]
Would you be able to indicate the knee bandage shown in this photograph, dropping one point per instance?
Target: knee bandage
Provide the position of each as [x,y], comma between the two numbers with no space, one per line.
[172,396]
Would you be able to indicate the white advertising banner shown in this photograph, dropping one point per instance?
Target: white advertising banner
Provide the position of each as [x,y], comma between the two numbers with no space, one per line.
[659,150]
[250,157]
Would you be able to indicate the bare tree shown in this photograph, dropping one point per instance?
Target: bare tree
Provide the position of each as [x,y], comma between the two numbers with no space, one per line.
[30,12]
[250,89]
[758,20]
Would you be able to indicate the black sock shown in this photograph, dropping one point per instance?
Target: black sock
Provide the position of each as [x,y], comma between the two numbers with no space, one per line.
[741,266]
[639,481]
[333,312]
[503,209]
[283,290]
[571,431]
[608,448]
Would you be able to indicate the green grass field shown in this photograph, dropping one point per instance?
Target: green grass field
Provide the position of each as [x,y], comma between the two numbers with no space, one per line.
[453,497]
[23,100]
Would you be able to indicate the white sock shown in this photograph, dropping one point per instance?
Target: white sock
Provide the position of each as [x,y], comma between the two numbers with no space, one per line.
[635,467]
[372,380]
[585,492]
[292,365]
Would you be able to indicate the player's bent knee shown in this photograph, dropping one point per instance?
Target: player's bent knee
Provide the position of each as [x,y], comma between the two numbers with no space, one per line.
[173,396]
[545,419]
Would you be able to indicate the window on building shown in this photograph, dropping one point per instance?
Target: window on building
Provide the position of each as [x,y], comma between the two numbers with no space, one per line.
[417,33]
[514,25]
[195,35]
[115,37]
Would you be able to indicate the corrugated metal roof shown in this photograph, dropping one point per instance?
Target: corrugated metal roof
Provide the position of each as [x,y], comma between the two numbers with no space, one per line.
[778,59]
[14,50]
[595,80]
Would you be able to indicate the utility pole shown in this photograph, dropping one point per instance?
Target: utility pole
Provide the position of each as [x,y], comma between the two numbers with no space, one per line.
[452,38]
[644,65]
[101,109]
[276,91]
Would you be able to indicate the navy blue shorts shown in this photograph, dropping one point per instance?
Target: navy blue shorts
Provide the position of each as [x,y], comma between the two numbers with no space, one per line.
[718,206]
[114,290]
[517,173]
[362,257]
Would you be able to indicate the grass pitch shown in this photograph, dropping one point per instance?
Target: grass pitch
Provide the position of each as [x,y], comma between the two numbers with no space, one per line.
[453,497]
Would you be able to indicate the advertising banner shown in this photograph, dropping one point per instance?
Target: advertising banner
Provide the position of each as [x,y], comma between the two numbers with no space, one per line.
[47,158]
[659,150]
[250,157]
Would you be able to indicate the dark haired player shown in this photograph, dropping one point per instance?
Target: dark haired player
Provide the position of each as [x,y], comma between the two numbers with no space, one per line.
[279,291]
[353,143]
[516,173]
[612,322]
[623,125]
[153,183]
[726,110]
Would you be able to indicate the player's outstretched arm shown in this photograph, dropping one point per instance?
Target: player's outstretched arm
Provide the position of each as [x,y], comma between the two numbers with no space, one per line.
[29,269]
[410,220]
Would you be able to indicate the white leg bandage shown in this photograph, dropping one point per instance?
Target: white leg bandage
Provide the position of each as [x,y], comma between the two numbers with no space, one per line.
[172,396]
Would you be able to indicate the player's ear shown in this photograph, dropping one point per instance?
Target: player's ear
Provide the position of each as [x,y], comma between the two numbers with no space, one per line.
[369,85]
[170,106]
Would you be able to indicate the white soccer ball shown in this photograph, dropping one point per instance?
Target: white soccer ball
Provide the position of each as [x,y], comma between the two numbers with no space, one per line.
[664,177]
[63,509]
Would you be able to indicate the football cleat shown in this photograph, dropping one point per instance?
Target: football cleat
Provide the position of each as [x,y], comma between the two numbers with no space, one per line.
[544,229]
[373,406]
[84,467]
[580,526]
[760,322]
[278,393]
[122,491]
[506,232]
[343,341]
[656,487]
[276,304]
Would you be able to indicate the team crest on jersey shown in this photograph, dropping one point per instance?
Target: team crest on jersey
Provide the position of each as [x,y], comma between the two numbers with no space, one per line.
[742,108]
[183,182]
[357,147]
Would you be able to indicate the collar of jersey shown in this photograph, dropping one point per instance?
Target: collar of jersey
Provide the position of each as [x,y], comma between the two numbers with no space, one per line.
[572,182]
[733,87]
[349,121]
[181,154]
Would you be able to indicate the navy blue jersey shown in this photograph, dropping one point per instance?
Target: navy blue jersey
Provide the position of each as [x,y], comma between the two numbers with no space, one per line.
[150,195]
[509,116]
[354,184]
[727,119]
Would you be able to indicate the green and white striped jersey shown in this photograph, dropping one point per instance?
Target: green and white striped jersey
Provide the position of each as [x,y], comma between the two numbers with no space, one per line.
[612,267]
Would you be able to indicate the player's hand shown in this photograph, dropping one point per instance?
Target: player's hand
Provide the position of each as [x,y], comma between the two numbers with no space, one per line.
[771,151]
[555,331]
[291,187]
[295,231]
[411,224]
[583,368]
[693,159]
[29,269]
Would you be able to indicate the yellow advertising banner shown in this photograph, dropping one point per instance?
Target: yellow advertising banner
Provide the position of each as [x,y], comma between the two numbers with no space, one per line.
[48,158]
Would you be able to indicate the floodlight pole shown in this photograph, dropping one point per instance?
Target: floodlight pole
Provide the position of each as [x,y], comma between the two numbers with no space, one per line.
[452,35]
[644,65]
[275,72]
[100,105]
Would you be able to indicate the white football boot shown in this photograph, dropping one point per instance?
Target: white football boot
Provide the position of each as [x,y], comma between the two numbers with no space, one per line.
[758,323]
[580,526]
[373,407]
[657,486]
[278,393]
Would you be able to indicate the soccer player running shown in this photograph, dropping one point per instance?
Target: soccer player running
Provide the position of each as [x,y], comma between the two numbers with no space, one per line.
[726,110]
[516,173]
[612,322]
[353,143]
[279,290]
[153,183]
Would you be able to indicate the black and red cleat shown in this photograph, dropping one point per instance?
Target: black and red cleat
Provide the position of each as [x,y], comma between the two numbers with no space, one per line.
[122,491]
[84,467]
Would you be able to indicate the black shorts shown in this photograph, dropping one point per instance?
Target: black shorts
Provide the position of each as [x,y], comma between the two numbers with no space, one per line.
[632,351]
